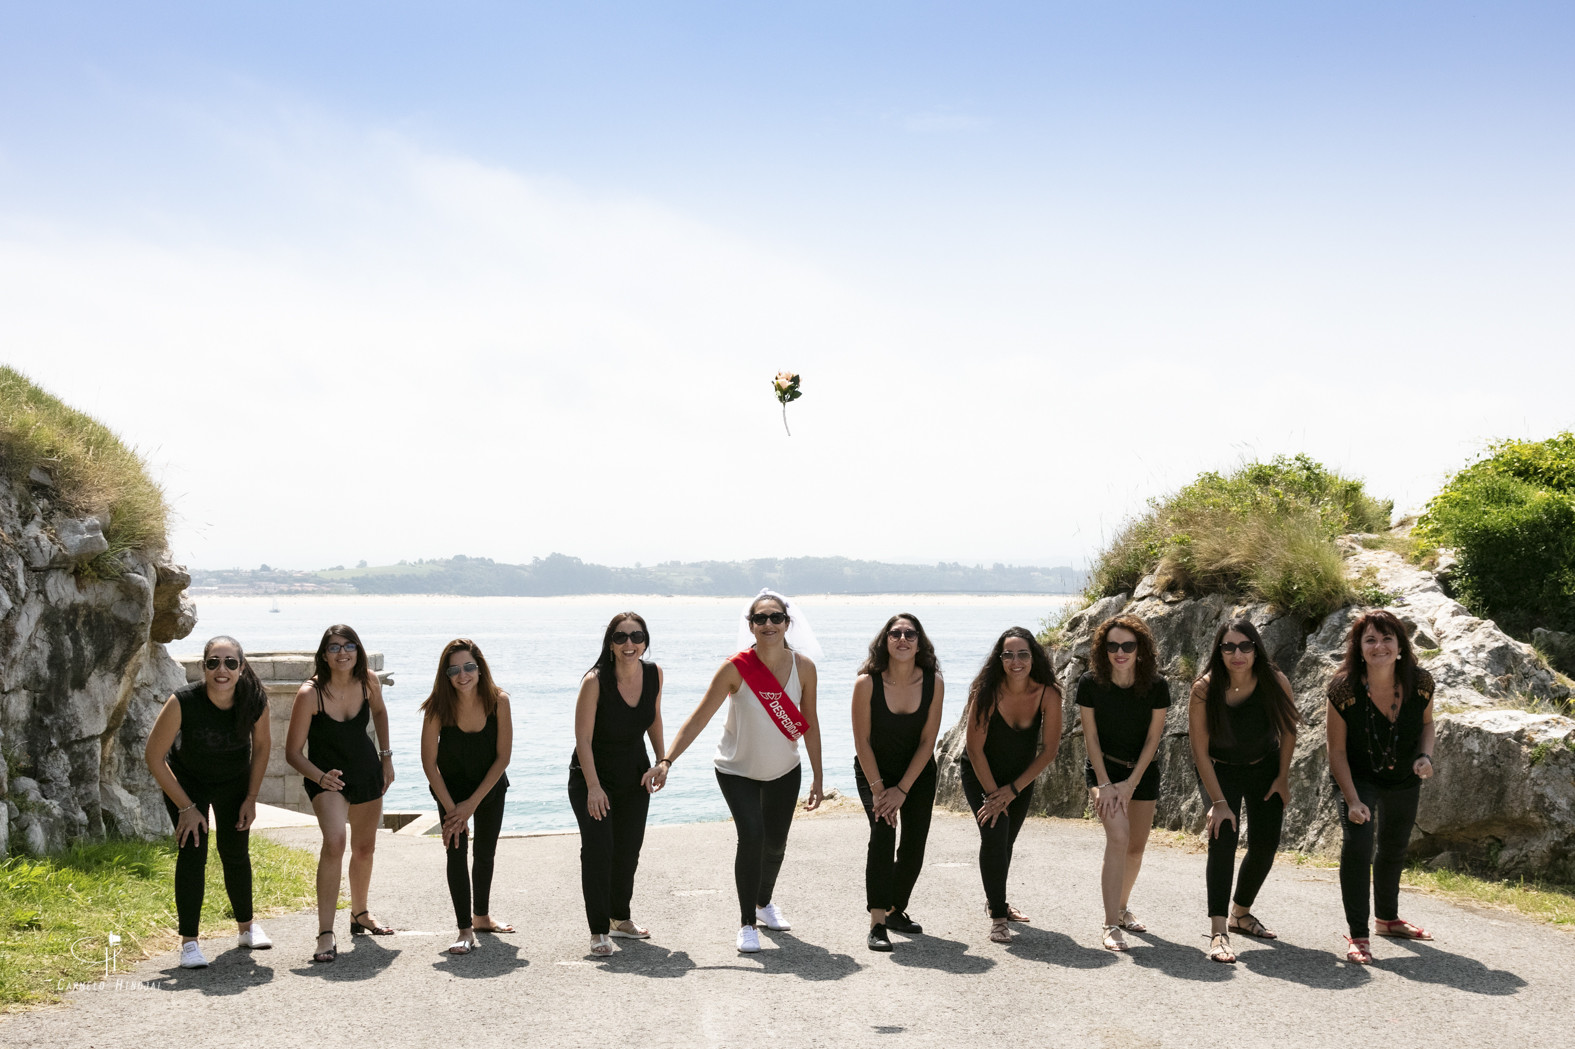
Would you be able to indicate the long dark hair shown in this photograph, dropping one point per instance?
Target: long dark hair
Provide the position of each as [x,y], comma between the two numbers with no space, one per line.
[1146,672]
[443,701]
[880,656]
[1281,710]
[1354,668]
[322,672]
[991,676]
[251,699]
[603,667]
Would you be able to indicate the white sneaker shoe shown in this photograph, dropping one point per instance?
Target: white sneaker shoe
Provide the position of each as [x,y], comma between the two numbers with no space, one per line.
[771,917]
[191,956]
[254,938]
[748,939]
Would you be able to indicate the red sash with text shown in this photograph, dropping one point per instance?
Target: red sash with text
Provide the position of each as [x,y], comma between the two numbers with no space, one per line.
[764,684]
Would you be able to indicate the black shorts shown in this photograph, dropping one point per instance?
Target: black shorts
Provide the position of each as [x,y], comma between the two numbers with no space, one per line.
[1147,788]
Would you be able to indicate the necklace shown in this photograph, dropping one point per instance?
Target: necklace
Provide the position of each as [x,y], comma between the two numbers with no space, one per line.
[1380,754]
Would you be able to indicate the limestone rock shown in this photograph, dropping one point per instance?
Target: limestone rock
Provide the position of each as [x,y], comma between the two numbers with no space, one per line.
[1557,646]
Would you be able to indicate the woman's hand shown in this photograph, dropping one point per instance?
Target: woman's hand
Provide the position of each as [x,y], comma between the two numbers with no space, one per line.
[1112,801]
[1423,766]
[655,778]
[887,803]
[1357,812]
[191,821]
[454,823]
[812,802]
[1219,815]
[596,802]
[388,772]
[996,804]
[333,779]
[1282,787]
[248,813]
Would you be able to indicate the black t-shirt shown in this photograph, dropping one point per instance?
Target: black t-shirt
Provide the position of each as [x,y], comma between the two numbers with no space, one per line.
[212,745]
[1381,752]
[1122,715]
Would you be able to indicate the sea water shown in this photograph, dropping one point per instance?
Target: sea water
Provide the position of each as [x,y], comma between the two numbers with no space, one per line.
[539,649]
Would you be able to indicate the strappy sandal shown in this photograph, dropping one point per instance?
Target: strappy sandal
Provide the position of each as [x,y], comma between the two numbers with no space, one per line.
[1249,924]
[495,927]
[1015,915]
[1219,948]
[1400,929]
[1129,921]
[375,929]
[333,949]
[601,945]
[1111,938]
[628,930]
[1000,932]
[1359,950]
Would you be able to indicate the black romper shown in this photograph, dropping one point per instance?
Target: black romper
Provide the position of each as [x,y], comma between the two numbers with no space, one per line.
[344,745]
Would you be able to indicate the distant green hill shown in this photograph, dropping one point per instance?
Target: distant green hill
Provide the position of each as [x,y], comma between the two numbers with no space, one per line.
[558,574]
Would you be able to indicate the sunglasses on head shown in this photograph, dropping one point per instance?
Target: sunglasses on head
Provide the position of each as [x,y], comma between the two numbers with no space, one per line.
[1120,646]
[455,670]
[230,663]
[762,618]
[637,636]
[899,633]
[335,648]
[1232,647]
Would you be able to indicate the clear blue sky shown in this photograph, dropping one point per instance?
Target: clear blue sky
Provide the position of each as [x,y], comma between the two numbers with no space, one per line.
[1036,262]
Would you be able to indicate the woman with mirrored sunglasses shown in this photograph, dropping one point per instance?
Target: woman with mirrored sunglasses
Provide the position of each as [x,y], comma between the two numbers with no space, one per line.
[209,746]
[1241,723]
[610,774]
[896,717]
[346,775]
[467,737]
[1122,701]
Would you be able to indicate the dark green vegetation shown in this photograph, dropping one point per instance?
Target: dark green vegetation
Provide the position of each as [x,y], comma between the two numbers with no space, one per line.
[1511,518]
[559,574]
[1266,530]
[56,912]
[74,461]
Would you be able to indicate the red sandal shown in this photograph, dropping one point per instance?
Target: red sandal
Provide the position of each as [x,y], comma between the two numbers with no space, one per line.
[1359,951]
[1400,929]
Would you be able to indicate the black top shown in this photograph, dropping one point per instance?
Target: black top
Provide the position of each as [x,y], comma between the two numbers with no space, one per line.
[895,737]
[463,758]
[345,745]
[1007,750]
[1247,732]
[212,745]
[1381,752]
[618,738]
[1122,715]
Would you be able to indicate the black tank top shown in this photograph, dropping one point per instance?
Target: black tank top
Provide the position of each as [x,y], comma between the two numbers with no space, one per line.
[1009,751]
[895,737]
[212,745]
[618,738]
[1249,734]
[345,745]
[463,758]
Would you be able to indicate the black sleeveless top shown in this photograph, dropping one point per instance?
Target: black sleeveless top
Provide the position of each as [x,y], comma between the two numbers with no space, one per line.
[212,745]
[1248,734]
[1007,750]
[618,738]
[895,737]
[1380,751]
[463,759]
[344,745]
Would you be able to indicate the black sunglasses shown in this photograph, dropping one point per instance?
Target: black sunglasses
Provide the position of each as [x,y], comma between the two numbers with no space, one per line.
[230,663]
[462,668]
[898,633]
[762,618]
[1231,647]
[637,636]
[336,647]
[1120,646]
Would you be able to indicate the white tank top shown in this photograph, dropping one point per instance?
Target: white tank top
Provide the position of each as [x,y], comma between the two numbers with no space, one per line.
[752,745]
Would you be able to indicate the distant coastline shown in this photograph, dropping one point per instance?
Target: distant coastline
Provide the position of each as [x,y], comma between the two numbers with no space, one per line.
[559,575]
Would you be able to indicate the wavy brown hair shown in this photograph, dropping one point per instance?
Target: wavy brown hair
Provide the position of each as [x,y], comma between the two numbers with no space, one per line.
[1353,667]
[1282,712]
[879,657]
[443,702]
[987,683]
[603,667]
[1147,670]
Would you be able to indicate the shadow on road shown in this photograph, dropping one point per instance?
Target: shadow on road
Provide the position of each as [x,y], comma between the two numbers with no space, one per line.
[1428,964]
[233,972]
[493,958]
[365,960]
[1149,950]
[1279,960]
[794,956]
[644,958]
[1055,948]
[947,956]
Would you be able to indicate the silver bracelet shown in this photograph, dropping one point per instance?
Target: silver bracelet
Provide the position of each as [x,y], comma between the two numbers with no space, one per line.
[188,808]
[1103,785]
[385,753]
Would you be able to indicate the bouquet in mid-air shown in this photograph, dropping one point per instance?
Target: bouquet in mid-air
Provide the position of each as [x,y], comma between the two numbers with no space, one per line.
[786,387]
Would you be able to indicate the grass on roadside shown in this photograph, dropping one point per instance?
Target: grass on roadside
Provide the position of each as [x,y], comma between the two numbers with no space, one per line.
[57,912]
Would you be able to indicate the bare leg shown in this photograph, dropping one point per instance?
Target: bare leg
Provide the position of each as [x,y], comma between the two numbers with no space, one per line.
[364,821]
[331,810]
[1140,820]
[1112,875]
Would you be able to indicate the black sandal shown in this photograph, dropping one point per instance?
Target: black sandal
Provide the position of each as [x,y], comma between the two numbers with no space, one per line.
[332,952]
[1249,925]
[357,929]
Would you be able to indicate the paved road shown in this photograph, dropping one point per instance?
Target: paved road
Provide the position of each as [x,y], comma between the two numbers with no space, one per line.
[1490,979]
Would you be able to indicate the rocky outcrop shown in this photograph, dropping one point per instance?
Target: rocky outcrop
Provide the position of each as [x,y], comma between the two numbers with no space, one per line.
[1504,793]
[83,673]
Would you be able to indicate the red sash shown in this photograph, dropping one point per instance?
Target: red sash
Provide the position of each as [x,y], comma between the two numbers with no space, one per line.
[785,715]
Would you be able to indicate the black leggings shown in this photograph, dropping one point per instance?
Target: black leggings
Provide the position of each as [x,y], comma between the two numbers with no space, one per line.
[609,850]
[191,859]
[763,814]
[1393,814]
[488,820]
[890,869]
[1244,784]
[995,843]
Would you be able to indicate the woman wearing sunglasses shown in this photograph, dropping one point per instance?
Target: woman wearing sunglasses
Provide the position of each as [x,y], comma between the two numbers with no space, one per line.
[610,776]
[769,687]
[896,717]
[1014,728]
[467,736]
[1241,723]
[1122,700]
[345,775]
[209,746]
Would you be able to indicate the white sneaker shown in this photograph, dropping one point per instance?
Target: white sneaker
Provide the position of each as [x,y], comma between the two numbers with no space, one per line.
[748,939]
[254,938]
[771,917]
[191,956]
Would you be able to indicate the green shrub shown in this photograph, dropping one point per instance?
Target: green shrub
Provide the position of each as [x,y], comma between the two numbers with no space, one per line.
[94,472]
[1511,518]
[1267,529]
